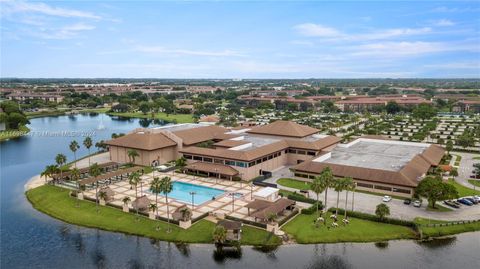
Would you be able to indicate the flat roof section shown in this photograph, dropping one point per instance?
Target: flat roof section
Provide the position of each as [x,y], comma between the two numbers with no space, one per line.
[384,155]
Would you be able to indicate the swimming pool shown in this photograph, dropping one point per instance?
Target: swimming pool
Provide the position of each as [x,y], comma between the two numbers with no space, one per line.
[181,191]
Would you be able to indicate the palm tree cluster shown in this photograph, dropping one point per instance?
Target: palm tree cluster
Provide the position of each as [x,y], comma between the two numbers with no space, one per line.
[325,181]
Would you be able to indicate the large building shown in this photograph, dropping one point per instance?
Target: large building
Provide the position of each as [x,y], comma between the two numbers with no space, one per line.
[225,153]
[385,166]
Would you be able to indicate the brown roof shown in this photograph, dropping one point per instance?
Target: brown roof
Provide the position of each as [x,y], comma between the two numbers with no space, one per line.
[144,140]
[368,174]
[213,168]
[210,118]
[110,193]
[276,207]
[230,225]
[230,143]
[433,154]
[242,155]
[258,204]
[141,202]
[314,145]
[201,134]
[284,128]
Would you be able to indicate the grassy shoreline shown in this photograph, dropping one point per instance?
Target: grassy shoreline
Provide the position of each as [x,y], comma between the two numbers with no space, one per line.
[178,118]
[10,134]
[56,202]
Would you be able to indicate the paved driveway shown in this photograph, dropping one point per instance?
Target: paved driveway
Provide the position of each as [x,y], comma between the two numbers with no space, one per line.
[466,167]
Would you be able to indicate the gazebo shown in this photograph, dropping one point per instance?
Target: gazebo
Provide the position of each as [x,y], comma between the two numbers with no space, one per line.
[233,228]
[141,203]
[109,192]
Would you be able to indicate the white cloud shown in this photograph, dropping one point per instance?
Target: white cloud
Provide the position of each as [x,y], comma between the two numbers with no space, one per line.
[11,7]
[322,31]
[65,32]
[302,43]
[456,65]
[317,30]
[443,22]
[177,52]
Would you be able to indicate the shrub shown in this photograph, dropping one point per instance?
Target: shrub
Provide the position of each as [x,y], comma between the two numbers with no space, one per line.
[370,217]
[298,197]
[312,209]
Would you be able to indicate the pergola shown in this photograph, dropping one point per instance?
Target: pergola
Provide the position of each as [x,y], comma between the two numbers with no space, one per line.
[84,172]
[213,170]
[116,174]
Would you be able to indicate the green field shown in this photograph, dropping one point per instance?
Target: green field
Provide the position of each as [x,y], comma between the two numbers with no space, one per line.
[462,190]
[56,202]
[303,229]
[445,230]
[9,134]
[293,183]
[179,118]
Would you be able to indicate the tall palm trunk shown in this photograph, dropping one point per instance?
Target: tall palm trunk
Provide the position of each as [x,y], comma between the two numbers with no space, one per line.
[156,203]
[326,208]
[75,157]
[338,200]
[89,157]
[96,195]
[346,202]
[318,201]
[353,198]
[168,213]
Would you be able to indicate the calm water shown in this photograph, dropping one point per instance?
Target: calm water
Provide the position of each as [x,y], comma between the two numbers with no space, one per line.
[30,239]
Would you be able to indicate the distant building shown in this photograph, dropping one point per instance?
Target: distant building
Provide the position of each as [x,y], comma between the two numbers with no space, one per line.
[371,103]
[22,97]
[466,106]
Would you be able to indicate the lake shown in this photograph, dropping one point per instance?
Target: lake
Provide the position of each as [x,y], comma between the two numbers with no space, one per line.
[30,239]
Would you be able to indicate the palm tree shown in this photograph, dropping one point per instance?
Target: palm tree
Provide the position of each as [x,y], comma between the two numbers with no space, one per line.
[167,187]
[186,213]
[126,200]
[349,185]
[327,180]
[61,159]
[49,171]
[74,147]
[156,188]
[132,154]
[81,189]
[339,186]
[133,180]
[88,144]
[94,171]
[181,162]
[103,195]
[317,188]
[75,174]
[153,208]
[219,235]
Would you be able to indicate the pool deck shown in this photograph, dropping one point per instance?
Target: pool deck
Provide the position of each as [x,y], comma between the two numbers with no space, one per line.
[221,205]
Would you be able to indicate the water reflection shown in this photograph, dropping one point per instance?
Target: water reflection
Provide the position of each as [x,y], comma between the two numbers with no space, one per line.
[439,242]
[328,262]
[183,249]
[220,255]
[381,245]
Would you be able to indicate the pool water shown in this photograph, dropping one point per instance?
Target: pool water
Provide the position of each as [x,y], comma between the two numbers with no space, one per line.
[181,191]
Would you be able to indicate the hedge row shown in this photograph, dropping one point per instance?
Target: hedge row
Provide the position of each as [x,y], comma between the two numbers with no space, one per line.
[298,197]
[370,217]
[253,223]
[312,209]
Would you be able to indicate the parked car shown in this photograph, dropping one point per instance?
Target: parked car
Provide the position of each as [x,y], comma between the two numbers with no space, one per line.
[476,197]
[471,199]
[451,204]
[407,201]
[457,203]
[465,202]
[417,203]
[387,198]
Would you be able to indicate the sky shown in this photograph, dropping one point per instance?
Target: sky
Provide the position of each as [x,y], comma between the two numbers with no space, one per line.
[219,39]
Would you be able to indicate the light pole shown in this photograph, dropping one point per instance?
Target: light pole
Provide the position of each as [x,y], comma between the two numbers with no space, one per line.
[251,190]
[233,201]
[192,193]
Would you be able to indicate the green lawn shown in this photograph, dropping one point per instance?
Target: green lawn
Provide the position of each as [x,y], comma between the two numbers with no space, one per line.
[293,183]
[476,158]
[439,208]
[9,134]
[258,237]
[179,118]
[303,229]
[445,230]
[475,182]
[462,190]
[56,202]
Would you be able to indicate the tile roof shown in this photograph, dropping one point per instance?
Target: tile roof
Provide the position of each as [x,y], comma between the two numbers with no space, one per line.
[143,140]
[284,128]
[230,143]
[201,134]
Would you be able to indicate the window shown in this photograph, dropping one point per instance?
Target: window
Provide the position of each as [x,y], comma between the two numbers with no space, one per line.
[250,164]
[227,162]
[208,160]
[218,161]
[401,191]
[365,185]
[264,159]
[270,157]
[188,157]
[311,153]
[292,151]
[197,158]
[241,164]
[301,152]
[377,187]
[258,161]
